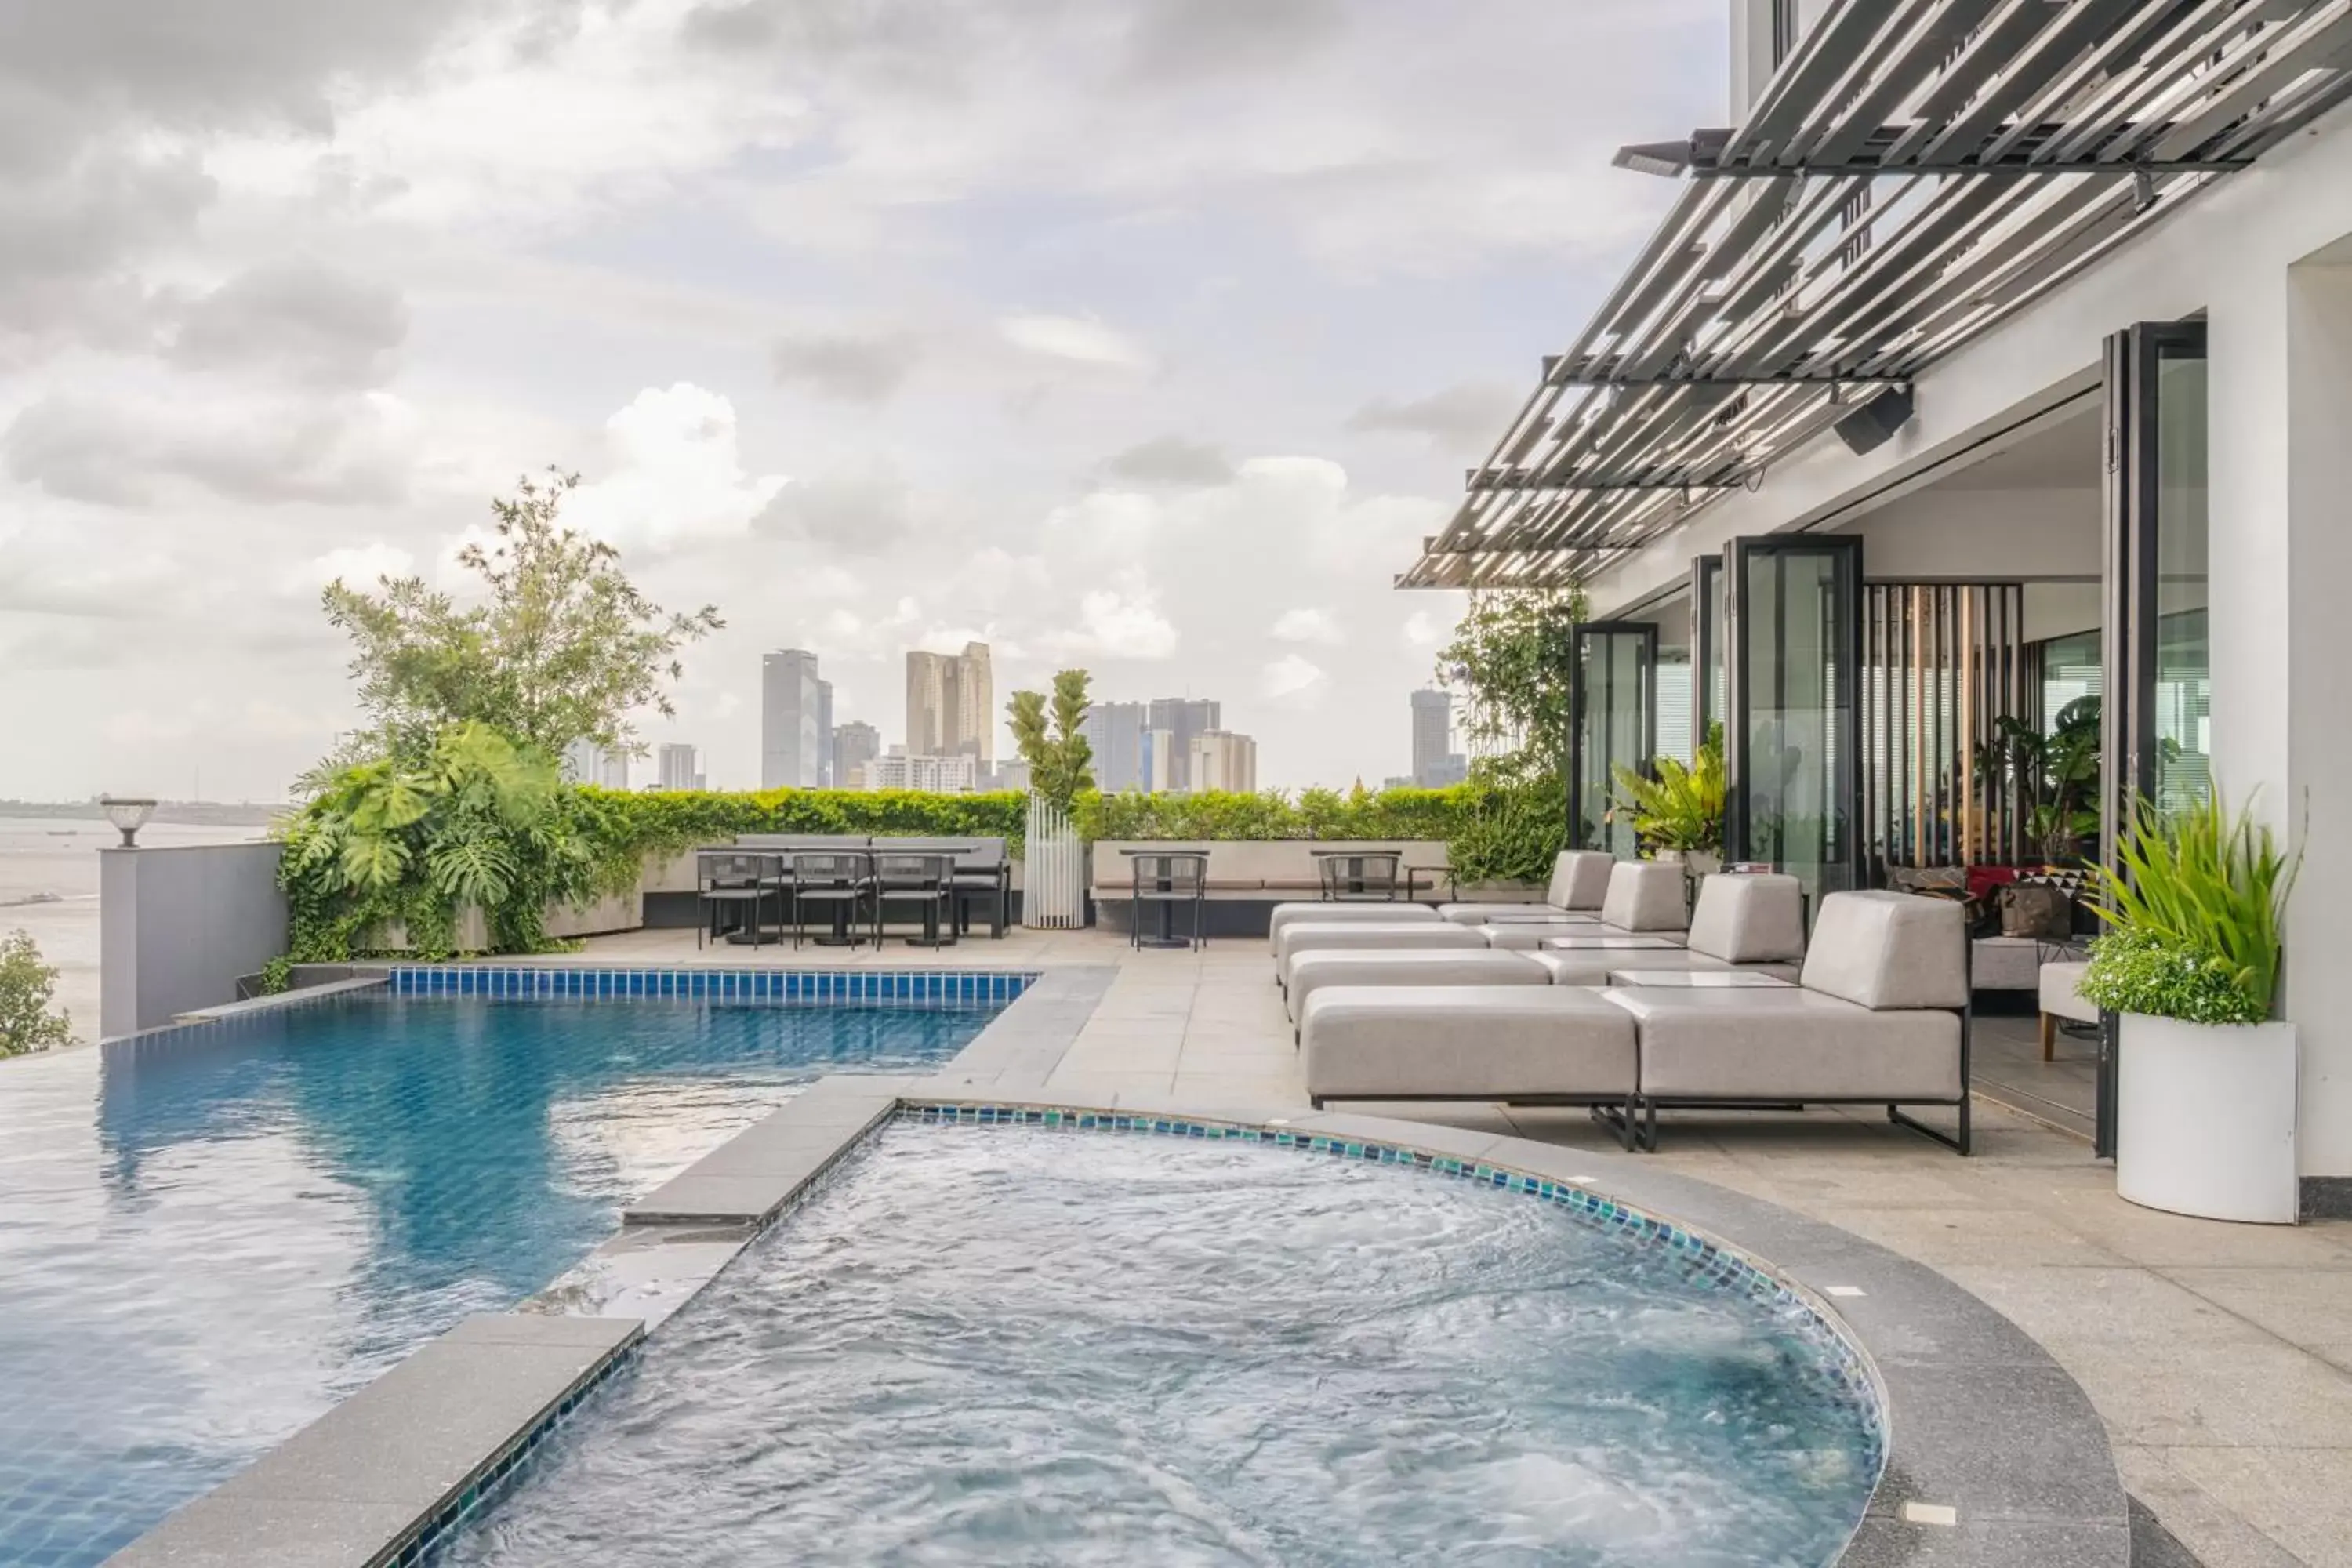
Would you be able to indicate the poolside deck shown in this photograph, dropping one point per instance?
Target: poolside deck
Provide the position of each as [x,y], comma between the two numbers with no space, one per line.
[2219,1355]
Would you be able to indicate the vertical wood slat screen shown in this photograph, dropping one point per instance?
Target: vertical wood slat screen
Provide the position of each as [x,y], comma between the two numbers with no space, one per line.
[1942,664]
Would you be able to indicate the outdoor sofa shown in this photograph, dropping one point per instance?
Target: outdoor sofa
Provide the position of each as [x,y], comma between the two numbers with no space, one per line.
[1880,1017]
[1579,882]
[1319,967]
[1740,922]
[1340,913]
[1301,937]
[1644,898]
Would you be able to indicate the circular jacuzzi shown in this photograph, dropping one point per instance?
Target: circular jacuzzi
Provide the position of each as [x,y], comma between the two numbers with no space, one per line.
[1076,1338]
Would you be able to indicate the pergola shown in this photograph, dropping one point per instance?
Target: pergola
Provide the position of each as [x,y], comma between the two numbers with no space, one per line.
[1917,170]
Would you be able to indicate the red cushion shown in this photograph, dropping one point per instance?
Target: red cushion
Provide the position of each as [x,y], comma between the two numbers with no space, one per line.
[1983,879]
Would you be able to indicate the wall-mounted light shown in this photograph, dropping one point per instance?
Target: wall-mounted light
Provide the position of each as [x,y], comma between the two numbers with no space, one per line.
[127,813]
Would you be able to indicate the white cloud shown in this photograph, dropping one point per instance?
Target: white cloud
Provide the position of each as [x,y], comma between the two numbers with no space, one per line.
[1292,681]
[678,478]
[1424,630]
[356,567]
[1308,625]
[1124,622]
[1080,338]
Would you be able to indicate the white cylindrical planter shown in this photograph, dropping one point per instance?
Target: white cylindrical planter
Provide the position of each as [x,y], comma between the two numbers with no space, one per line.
[1053,872]
[2205,1119]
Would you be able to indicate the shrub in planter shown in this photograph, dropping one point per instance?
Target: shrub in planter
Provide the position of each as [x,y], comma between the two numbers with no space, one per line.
[2206,1082]
[1681,809]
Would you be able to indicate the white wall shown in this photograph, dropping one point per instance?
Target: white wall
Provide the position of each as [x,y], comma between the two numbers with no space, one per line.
[1979,533]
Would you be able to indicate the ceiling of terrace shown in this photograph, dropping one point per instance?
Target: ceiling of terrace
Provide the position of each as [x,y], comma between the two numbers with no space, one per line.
[1916,172]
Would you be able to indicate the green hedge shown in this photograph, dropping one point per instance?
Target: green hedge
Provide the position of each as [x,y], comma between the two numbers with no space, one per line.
[635,825]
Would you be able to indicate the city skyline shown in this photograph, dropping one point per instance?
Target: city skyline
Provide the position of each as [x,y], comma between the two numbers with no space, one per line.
[867,408]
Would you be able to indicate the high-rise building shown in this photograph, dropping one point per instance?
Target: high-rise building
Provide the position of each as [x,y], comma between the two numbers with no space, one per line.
[1432,731]
[675,768]
[824,775]
[1183,717]
[855,746]
[952,704]
[896,769]
[1220,759]
[585,761]
[1161,766]
[1115,732]
[791,746]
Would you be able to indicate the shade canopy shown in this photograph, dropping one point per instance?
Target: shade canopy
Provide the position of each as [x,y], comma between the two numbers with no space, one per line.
[1917,172]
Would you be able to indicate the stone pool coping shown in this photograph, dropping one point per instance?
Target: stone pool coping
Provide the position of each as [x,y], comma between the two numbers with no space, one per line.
[1995,1455]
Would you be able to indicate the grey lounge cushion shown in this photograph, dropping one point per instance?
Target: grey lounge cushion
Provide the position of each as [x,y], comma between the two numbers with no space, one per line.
[1497,1042]
[1312,971]
[2061,993]
[1328,914]
[1579,878]
[1889,951]
[1311,936]
[1591,967]
[1789,1044]
[1645,895]
[1749,918]
[1479,915]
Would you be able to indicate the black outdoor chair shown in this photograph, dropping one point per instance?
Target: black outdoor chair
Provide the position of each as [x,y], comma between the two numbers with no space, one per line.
[1168,880]
[902,880]
[1361,879]
[984,874]
[730,879]
[839,881]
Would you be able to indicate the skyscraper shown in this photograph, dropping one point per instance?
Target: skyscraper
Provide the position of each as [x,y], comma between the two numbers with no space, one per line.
[952,704]
[585,761]
[1432,735]
[1222,759]
[792,750]
[855,746]
[1183,717]
[676,768]
[824,736]
[1115,730]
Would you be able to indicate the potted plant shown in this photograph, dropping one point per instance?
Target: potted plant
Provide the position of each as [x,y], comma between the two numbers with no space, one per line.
[1679,813]
[1049,732]
[2205,1102]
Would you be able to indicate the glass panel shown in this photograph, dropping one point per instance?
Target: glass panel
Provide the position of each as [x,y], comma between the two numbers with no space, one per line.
[1798,741]
[1676,730]
[2182,709]
[1615,672]
[1711,649]
[2070,672]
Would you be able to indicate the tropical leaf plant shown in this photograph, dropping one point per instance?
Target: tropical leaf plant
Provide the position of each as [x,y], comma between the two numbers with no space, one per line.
[1050,733]
[2195,909]
[1681,809]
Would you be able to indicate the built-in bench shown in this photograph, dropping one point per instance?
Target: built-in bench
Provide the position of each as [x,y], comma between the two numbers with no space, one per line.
[1247,879]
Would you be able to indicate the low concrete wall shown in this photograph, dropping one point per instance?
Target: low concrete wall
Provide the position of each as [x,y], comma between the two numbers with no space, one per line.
[177,925]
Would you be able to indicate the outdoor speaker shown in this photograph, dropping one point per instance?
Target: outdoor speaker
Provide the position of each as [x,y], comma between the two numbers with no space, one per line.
[1868,426]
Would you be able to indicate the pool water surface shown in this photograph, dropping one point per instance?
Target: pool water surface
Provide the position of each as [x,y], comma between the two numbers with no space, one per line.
[1014,1345]
[208,1238]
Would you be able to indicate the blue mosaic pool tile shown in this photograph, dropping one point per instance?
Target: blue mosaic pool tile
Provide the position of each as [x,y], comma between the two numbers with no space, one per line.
[836,987]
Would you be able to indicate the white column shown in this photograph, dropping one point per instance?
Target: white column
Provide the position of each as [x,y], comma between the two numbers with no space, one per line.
[2280,509]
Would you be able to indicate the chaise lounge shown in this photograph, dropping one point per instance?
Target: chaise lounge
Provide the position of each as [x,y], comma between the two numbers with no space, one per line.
[1644,898]
[1319,967]
[1579,882]
[1745,922]
[1307,936]
[1332,913]
[1879,1017]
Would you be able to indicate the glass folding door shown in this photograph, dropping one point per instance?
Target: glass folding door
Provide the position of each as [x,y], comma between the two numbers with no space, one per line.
[1793,626]
[1615,721]
[2157,664]
[1707,645]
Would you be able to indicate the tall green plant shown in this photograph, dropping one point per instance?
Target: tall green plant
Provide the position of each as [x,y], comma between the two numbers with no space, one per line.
[562,648]
[1682,808]
[1513,656]
[1049,733]
[27,1021]
[2054,777]
[2196,909]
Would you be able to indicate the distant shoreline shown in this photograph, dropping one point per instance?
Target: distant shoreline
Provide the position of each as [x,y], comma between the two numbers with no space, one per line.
[194,812]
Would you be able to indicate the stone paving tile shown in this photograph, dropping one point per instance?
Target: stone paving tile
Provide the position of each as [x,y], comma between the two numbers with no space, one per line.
[2262,1395]
[2299,1497]
[2201,1522]
[2308,1305]
[2120,1305]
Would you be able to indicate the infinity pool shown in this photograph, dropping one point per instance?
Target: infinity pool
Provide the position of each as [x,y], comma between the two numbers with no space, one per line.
[206,1238]
[984,1345]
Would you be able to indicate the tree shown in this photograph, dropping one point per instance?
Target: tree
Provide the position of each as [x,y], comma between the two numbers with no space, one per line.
[27,1022]
[1514,657]
[1051,738]
[563,649]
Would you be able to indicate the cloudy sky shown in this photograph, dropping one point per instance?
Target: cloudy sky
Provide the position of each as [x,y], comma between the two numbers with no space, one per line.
[1149,335]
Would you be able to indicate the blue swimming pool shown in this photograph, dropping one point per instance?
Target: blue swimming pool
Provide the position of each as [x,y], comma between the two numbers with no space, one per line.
[1016,1345]
[208,1236]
